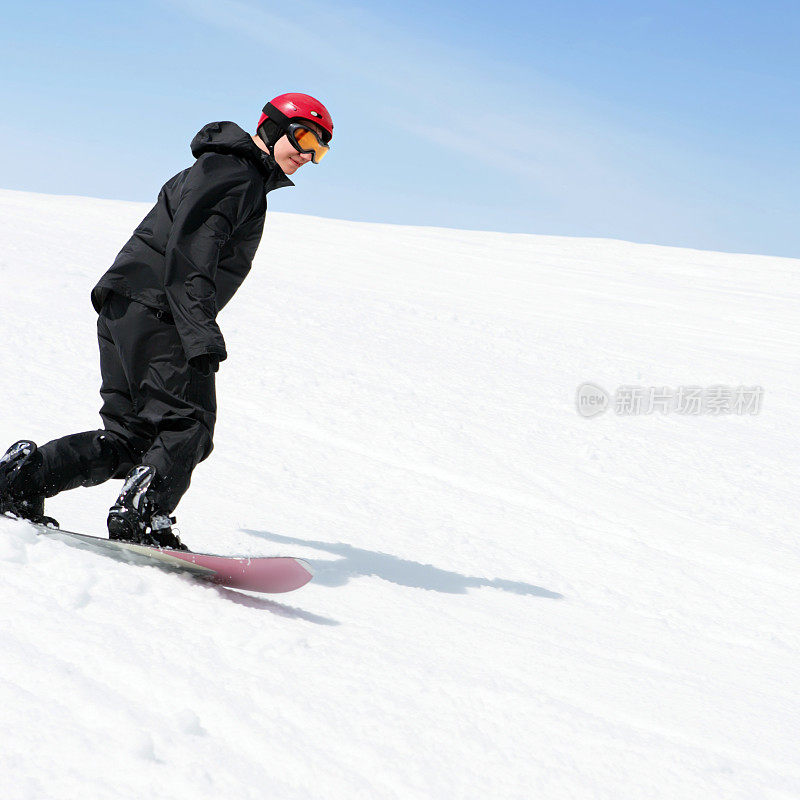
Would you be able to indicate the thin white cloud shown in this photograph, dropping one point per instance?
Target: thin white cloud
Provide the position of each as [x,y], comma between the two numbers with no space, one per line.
[267,27]
[427,88]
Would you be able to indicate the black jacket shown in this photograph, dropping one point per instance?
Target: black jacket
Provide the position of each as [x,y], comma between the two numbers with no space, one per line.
[192,251]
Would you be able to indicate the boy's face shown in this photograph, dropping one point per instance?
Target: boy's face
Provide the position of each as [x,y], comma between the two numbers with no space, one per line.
[288,158]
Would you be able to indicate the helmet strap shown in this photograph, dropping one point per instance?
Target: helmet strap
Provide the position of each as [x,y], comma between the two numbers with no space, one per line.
[273,127]
[277,116]
[269,134]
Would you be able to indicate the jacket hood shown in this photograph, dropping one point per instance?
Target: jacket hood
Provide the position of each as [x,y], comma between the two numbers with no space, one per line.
[228,137]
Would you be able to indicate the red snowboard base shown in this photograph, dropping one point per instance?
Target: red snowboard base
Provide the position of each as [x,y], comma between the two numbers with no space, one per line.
[261,574]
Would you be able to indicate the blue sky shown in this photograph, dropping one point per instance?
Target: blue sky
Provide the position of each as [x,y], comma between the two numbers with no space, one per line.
[665,122]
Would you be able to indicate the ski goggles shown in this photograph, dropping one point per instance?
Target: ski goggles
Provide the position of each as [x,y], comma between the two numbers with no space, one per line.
[306,141]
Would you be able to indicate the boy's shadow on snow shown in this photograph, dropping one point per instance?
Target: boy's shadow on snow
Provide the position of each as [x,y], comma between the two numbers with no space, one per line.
[353,562]
[270,605]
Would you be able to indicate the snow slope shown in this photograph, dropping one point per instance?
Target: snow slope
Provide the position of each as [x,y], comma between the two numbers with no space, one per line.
[511,601]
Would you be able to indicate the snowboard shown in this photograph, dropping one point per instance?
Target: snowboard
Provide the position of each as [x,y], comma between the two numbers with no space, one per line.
[254,574]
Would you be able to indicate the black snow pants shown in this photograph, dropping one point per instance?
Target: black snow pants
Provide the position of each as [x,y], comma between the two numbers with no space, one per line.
[157,410]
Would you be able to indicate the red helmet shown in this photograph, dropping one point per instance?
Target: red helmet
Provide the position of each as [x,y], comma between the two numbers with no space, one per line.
[294,106]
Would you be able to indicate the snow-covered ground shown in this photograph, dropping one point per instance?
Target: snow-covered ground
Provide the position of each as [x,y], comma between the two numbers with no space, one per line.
[511,600]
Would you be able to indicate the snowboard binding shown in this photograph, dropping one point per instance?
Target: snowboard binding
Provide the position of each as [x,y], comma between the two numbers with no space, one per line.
[134,517]
[20,465]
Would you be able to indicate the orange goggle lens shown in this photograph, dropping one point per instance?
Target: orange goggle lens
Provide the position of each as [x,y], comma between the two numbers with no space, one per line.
[307,141]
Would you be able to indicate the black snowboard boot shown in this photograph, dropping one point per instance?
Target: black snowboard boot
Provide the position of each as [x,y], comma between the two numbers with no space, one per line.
[20,465]
[134,517]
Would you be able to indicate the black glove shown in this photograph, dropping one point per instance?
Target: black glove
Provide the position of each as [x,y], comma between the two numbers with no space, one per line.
[205,364]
